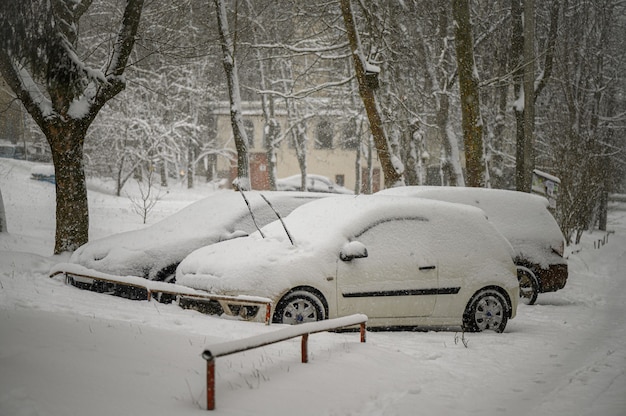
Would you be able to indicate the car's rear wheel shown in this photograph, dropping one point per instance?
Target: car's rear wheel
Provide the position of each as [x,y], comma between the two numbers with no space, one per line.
[299,306]
[528,285]
[487,310]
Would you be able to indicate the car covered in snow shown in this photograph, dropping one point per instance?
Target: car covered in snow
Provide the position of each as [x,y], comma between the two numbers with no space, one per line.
[401,261]
[524,219]
[314,183]
[154,252]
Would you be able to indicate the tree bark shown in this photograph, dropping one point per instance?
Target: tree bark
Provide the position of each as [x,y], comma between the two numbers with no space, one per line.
[525,177]
[3,218]
[72,210]
[236,119]
[470,101]
[391,166]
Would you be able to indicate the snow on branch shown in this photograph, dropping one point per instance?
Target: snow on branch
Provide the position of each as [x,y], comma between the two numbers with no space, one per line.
[308,91]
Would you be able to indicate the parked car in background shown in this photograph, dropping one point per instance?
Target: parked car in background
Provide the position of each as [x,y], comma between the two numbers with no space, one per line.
[401,261]
[524,219]
[155,251]
[315,183]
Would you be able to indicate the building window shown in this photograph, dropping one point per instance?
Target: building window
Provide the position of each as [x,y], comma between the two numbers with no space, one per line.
[340,180]
[248,125]
[324,135]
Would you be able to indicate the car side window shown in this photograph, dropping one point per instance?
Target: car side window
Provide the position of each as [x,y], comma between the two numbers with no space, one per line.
[388,238]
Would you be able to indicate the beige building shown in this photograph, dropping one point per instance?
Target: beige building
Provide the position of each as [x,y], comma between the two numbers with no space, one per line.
[11,125]
[330,152]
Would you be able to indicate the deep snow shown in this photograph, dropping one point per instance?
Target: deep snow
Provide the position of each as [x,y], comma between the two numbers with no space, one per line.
[65,352]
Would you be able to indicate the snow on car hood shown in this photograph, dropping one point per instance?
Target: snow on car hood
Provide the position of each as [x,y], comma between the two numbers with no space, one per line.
[247,266]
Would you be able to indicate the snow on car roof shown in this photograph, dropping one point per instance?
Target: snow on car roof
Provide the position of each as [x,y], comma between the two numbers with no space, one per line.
[314,221]
[521,217]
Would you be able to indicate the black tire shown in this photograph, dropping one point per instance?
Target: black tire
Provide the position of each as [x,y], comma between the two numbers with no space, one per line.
[528,286]
[487,309]
[167,274]
[299,306]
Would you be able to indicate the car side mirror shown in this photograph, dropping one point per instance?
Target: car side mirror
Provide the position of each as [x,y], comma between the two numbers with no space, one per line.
[353,250]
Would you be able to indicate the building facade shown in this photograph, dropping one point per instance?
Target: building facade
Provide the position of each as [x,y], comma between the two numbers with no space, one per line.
[333,149]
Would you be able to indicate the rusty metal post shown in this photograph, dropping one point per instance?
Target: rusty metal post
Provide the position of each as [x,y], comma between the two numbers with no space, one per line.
[210,383]
[305,348]
[362,331]
[268,311]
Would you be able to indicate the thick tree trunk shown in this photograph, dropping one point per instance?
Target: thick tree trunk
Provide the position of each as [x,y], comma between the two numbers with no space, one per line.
[528,147]
[72,211]
[392,169]
[470,101]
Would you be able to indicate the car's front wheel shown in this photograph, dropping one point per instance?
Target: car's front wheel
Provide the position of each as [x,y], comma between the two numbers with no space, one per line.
[488,309]
[299,306]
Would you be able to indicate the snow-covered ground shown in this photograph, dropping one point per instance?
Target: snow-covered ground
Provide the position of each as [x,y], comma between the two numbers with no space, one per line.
[66,352]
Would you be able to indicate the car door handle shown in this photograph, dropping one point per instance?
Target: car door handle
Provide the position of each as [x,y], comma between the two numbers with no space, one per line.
[427,267]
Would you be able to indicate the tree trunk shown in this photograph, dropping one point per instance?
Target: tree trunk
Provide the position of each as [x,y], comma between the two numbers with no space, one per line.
[3,218]
[236,119]
[470,101]
[527,147]
[392,169]
[72,211]
[68,82]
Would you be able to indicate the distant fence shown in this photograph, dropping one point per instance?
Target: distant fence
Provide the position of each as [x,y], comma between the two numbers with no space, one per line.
[303,330]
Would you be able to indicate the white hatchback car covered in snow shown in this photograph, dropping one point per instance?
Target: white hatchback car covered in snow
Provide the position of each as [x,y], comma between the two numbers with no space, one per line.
[524,220]
[401,261]
[154,252]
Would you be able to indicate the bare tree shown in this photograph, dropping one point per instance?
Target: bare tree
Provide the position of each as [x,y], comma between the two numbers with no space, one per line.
[470,100]
[62,92]
[392,167]
[527,85]
[584,112]
[236,120]
[441,75]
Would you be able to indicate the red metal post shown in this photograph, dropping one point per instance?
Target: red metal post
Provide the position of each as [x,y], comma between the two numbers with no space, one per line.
[305,348]
[362,331]
[210,384]
[268,310]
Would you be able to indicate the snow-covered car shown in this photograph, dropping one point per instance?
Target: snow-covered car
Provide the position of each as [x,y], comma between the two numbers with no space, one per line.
[524,219]
[401,261]
[154,252]
[315,183]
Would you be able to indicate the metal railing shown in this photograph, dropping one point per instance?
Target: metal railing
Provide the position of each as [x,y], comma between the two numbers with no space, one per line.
[303,330]
[148,290]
